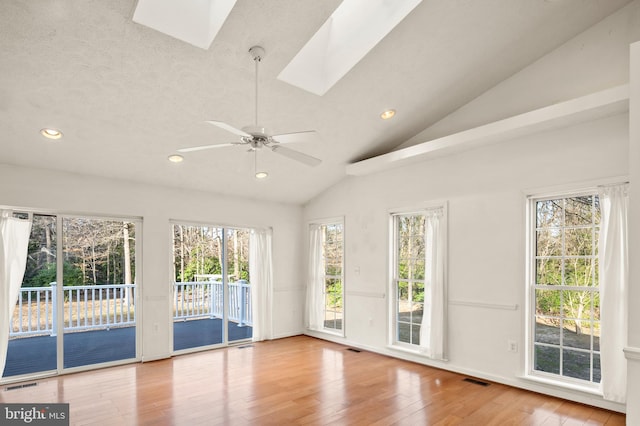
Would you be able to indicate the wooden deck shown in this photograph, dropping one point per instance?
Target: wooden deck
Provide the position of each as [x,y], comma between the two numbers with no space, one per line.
[36,354]
[296,381]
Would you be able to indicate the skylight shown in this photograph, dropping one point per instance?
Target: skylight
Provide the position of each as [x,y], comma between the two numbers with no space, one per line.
[184,19]
[353,29]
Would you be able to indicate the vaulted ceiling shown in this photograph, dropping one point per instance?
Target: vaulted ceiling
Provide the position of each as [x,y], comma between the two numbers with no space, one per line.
[126,96]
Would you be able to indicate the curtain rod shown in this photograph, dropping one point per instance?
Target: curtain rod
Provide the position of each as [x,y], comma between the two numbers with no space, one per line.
[608,185]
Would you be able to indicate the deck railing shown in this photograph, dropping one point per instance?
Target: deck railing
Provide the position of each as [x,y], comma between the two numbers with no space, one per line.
[85,308]
[107,306]
[205,299]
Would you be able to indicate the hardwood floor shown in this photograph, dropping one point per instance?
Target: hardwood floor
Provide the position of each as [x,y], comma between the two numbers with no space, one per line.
[298,381]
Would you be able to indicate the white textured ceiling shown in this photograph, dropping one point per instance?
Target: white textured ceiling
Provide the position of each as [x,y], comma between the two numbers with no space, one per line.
[127,96]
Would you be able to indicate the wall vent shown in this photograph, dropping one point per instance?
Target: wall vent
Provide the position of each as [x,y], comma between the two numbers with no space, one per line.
[354,350]
[475,381]
[25,385]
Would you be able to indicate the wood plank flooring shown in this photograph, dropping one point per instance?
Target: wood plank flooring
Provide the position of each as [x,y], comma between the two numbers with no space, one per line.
[296,381]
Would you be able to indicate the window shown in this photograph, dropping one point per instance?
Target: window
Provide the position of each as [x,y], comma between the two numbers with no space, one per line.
[418,281]
[409,277]
[325,296]
[333,291]
[565,297]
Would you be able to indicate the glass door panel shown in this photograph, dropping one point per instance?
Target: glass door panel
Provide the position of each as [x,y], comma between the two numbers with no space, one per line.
[211,290]
[238,285]
[198,291]
[99,293]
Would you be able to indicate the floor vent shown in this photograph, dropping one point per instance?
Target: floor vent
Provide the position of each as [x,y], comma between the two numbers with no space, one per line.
[26,385]
[475,381]
[245,346]
[354,350]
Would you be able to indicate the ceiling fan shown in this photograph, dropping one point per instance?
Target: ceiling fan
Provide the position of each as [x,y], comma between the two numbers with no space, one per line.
[257,137]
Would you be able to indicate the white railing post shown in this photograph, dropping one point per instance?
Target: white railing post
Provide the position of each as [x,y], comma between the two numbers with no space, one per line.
[243,302]
[54,309]
[212,300]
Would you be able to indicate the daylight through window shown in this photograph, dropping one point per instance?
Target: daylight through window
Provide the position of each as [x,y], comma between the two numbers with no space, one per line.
[565,290]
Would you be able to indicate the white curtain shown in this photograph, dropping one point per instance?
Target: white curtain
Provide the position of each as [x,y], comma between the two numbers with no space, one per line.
[614,275]
[315,283]
[14,243]
[261,274]
[432,326]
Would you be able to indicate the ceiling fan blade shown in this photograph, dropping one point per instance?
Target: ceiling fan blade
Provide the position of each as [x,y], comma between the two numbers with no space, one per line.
[295,155]
[228,128]
[203,147]
[306,136]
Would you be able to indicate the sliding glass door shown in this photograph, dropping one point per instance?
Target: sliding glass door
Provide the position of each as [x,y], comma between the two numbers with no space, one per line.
[77,303]
[211,289]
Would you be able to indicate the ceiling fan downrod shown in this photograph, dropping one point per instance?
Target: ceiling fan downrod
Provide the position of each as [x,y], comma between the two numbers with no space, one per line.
[257,53]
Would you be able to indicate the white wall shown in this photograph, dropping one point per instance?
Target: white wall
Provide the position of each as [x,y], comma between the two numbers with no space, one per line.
[633,350]
[486,191]
[68,193]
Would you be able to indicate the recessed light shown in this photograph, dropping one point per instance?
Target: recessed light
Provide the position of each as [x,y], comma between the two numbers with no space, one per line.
[385,115]
[51,133]
[261,175]
[175,158]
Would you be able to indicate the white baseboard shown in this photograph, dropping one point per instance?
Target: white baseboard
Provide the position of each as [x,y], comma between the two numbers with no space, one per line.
[287,334]
[155,358]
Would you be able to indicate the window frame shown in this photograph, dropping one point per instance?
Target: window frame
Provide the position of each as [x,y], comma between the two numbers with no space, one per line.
[424,210]
[338,221]
[224,228]
[531,286]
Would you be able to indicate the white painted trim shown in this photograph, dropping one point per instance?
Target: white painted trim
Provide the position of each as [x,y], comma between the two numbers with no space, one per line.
[590,107]
[631,353]
[327,221]
[366,294]
[285,335]
[155,357]
[573,188]
[472,303]
[215,224]
[7,381]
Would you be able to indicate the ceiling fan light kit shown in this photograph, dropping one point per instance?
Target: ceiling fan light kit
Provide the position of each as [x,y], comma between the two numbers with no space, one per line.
[256,137]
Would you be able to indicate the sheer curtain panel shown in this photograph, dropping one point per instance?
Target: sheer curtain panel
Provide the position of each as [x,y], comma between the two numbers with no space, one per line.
[614,275]
[261,274]
[14,243]
[315,282]
[432,326]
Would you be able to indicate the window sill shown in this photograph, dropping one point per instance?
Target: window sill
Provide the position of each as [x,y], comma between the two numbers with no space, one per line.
[339,333]
[415,352]
[595,391]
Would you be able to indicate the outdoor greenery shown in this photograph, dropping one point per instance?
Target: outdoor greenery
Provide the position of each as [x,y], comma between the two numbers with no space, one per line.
[197,252]
[567,298]
[332,256]
[410,261]
[96,251]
